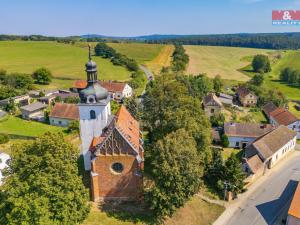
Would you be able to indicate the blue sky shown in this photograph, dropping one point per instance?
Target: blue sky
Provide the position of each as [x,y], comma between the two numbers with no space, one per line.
[140,17]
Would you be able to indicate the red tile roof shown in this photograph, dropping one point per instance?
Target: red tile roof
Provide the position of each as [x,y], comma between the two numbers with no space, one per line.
[128,127]
[65,111]
[283,116]
[294,209]
[255,163]
[111,86]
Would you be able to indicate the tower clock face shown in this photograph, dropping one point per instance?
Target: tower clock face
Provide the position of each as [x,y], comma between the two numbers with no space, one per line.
[91,99]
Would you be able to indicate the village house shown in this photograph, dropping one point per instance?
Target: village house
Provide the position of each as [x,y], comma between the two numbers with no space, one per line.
[268,150]
[293,217]
[268,108]
[241,134]
[281,116]
[18,100]
[226,100]
[117,90]
[34,111]
[212,105]
[246,97]
[63,114]
[62,95]
[111,145]
[3,164]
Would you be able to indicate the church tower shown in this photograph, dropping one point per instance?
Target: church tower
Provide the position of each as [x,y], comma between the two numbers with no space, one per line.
[94,110]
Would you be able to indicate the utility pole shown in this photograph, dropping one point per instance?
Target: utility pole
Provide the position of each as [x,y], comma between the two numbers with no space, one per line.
[226,184]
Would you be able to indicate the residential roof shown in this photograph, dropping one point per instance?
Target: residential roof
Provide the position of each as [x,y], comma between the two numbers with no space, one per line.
[222,95]
[212,100]
[34,107]
[294,209]
[255,163]
[246,129]
[268,108]
[111,86]
[271,142]
[243,92]
[283,117]
[65,111]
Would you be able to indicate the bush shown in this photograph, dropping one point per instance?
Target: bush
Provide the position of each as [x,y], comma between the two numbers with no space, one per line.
[225,141]
[42,76]
[4,138]
[73,126]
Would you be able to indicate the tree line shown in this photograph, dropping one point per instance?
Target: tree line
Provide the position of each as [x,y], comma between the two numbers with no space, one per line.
[180,59]
[266,41]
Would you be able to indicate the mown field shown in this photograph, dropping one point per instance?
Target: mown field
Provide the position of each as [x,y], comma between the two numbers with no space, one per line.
[218,60]
[64,60]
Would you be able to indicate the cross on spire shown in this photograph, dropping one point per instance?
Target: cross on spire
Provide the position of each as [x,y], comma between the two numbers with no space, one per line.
[90,56]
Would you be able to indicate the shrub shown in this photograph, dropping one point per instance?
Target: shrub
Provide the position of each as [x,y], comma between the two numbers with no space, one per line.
[42,76]
[225,141]
[4,138]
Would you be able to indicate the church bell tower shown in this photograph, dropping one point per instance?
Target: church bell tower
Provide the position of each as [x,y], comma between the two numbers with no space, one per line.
[94,110]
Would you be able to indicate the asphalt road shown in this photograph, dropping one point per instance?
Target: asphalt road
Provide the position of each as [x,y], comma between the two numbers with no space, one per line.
[269,202]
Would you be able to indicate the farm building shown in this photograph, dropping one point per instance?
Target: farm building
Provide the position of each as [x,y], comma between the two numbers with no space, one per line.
[212,105]
[117,90]
[63,114]
[266,151]
[34,111]
[242,134]
[18,100]
[226,99]
[246,97]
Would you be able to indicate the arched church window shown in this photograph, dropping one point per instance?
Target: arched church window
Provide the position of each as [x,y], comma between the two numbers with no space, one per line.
[92,114]
[117,167]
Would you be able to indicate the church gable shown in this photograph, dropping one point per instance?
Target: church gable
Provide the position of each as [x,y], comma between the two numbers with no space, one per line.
[115,144]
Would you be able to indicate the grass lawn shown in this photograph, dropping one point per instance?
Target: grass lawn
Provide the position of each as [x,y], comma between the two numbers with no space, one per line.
[64,60]
[223,61]
[293,110]
[247,115]
[17,126]
[228,151]
[195,212]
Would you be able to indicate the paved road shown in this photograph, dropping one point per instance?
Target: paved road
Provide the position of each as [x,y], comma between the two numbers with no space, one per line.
[148,73]
[267,200]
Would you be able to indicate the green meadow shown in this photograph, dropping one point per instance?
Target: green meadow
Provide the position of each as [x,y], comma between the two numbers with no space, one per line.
[64,60]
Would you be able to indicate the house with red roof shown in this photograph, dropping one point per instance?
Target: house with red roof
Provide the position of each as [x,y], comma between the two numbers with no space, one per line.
[63,114]
[117,90]
[293,217]
[281,116]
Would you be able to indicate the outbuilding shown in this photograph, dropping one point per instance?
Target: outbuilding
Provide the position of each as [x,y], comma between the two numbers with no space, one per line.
[34,111]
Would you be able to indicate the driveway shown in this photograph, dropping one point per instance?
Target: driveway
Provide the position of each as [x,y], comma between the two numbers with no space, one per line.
[267,200]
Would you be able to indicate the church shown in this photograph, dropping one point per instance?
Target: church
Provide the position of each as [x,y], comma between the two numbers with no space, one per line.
[111,144]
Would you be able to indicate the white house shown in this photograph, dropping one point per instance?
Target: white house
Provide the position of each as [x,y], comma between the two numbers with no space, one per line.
[281,116]
[3,163]
[63,114]
[242,134]
[268,150]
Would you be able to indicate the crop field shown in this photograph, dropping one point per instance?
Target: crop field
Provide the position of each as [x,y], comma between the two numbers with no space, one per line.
[218,60]
[163,59]
[64,60]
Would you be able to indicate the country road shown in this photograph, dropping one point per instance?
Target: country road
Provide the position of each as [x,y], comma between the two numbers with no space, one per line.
[268,199]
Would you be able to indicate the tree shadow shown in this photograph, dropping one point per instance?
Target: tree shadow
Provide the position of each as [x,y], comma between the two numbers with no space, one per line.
[128,211]
[268,210]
